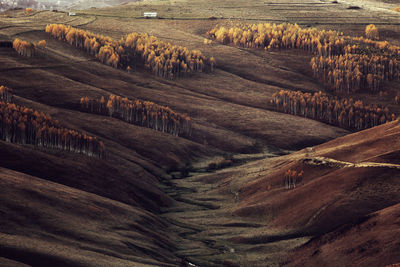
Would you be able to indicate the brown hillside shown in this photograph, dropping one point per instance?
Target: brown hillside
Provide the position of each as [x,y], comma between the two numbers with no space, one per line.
[373,242]
[48,224]
[247,208]
[379,144]
[217,197]
[332,196]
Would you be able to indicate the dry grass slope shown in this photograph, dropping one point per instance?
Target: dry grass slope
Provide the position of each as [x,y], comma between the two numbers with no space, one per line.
[150,202]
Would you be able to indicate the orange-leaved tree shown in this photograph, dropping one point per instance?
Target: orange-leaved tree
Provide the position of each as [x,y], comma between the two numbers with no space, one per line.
[138,112]
[24,125]
[42,44]
[371,32]
[24,48]
[162,58]
[343,112]
[5,94]
[28,10]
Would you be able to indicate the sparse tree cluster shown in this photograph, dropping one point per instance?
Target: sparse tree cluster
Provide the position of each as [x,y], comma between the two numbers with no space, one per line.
[365,46]
[292,178]
[23,125]
[288,36]
[282,36]
[5,94]
[24,48]
[347,64]
[163,59]
[353,72]
[143,113]
[345,113]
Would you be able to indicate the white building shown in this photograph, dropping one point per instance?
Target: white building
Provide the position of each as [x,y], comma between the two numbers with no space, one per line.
[150,14]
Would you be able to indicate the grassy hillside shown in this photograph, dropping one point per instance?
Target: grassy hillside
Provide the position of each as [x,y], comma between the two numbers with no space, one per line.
[155,199]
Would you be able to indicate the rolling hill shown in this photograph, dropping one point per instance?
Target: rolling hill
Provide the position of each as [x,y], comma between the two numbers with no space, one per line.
[155,199]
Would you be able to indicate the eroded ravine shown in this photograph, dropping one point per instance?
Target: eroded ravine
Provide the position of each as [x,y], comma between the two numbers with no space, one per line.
[203,217]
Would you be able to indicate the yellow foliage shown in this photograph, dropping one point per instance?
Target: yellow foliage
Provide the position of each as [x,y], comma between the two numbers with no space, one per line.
[397,9]
[270,36]
[343,112]
[143,113]
[24,48]
[371,32]
[164,59]
[42,44]
[343,62]
[207,41]
[43,130]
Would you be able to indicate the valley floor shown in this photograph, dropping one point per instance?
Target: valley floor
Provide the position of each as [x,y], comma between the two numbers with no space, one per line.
[152,201]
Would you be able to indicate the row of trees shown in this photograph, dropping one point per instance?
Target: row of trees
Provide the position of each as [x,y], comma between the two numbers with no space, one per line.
[163,59]
[345,63]
[353,72]
[293,177]
[5,94]
[361,45]
[289,36]
[24,48]
[143,113]
[345,113]
[23,125]
[282,36]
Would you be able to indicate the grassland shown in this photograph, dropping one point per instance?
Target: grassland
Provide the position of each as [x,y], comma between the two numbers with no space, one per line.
[138,207]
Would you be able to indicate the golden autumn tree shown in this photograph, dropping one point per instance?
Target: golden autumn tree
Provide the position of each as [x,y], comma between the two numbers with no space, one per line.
[371,32]
[42,44]
[5,94]
[28,10]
